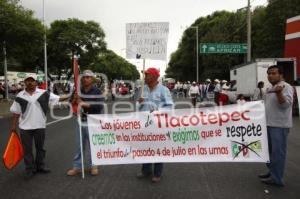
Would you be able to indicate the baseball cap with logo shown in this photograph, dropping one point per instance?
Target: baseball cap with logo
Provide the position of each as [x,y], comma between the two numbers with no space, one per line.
[152,71]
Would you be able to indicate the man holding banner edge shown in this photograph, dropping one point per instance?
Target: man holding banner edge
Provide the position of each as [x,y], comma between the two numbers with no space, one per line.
[279,101]
[87,98]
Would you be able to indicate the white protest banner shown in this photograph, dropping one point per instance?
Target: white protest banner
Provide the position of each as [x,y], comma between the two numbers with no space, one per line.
[148,40]
[233,133]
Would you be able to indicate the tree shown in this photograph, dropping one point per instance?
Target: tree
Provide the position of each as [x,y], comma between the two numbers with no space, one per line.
[74,37]
[115,67]
[268,38]
[22,34]
[220,27]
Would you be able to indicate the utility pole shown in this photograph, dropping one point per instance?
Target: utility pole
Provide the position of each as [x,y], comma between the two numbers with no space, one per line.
[249,32]
[197,51]
[5,70]
[45,48]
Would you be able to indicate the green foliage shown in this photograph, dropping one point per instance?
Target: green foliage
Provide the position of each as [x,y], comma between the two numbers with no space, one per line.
[23,35]
[24,38]
[268,33]
[115,67]
[74,37]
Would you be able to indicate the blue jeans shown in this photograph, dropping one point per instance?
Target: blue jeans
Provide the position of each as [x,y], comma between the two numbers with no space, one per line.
[85,145]
[147,169]
[277,138]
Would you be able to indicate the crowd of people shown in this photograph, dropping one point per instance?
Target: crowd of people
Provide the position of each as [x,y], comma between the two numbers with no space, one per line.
[218,92]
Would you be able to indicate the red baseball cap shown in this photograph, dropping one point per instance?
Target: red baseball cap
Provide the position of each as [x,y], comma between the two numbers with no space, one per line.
[152,71]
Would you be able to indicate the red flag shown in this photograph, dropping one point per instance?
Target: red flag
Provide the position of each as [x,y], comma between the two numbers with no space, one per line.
[76,74]
[13,152]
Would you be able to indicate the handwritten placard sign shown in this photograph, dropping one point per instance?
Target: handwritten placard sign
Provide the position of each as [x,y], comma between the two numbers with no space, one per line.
[147,40]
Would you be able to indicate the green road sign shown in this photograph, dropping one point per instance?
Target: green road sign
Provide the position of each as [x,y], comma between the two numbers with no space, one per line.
[21,75]
[224,48]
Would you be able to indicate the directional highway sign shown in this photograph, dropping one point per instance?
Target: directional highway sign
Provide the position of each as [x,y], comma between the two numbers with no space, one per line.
[224,48]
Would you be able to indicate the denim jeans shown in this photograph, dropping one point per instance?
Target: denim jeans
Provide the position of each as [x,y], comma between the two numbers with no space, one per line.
[85,145]
[147,169]
[277,138]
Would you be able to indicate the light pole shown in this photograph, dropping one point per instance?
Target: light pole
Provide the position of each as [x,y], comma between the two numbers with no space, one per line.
[5,70]
[45,48]
[197,51]
[249,32]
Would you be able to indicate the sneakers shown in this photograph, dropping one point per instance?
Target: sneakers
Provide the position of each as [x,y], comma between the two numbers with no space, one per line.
[155,179]
[141,175]
[266,175]
[94,171]
[270,181]
[74,172]
[42,170]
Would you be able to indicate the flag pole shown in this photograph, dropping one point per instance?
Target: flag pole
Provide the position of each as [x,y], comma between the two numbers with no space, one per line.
[76,110]
[143,81]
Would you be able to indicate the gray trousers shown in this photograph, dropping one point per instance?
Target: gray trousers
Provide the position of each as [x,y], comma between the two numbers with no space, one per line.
[27,138]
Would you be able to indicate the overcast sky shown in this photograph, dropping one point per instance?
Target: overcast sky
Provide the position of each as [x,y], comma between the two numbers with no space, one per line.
[114,14]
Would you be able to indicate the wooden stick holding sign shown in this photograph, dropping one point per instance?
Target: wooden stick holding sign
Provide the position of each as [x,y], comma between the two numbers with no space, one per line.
[143,80]
[76,108]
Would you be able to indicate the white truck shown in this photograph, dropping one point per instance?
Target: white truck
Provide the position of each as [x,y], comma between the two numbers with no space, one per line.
[248,75]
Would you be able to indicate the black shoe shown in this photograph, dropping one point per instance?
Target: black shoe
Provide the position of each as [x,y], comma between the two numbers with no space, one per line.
[43,170]
[266,175]
[143,175]
[28,175]
[270,181]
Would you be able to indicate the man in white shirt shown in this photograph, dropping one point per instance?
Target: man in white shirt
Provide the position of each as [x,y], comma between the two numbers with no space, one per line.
[185,89]
[194,93]
[217,90]
[29,111]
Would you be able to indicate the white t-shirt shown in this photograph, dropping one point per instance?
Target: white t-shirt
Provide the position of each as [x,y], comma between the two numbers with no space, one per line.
[194,90]
[33,117]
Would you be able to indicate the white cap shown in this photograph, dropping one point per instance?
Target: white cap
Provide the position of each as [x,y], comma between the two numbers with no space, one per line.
[224,81]
[217,81]
[30,76]
[225,87]
[194,82]
[208,80]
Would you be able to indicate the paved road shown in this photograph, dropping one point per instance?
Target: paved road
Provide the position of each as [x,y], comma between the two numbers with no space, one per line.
[180,180]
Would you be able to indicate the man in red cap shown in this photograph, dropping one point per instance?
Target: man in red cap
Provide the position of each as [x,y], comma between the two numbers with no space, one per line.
[155,96]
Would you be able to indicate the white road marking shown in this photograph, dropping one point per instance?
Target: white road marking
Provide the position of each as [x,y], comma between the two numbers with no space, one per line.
[55,121]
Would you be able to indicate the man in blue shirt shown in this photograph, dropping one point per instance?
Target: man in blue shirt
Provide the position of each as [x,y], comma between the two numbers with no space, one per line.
[155,96]
[91,101]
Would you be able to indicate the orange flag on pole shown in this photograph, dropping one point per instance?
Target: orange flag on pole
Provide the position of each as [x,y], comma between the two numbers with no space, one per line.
[14,152]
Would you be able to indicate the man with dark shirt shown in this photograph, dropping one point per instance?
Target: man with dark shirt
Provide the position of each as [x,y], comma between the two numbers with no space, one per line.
[91,102]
